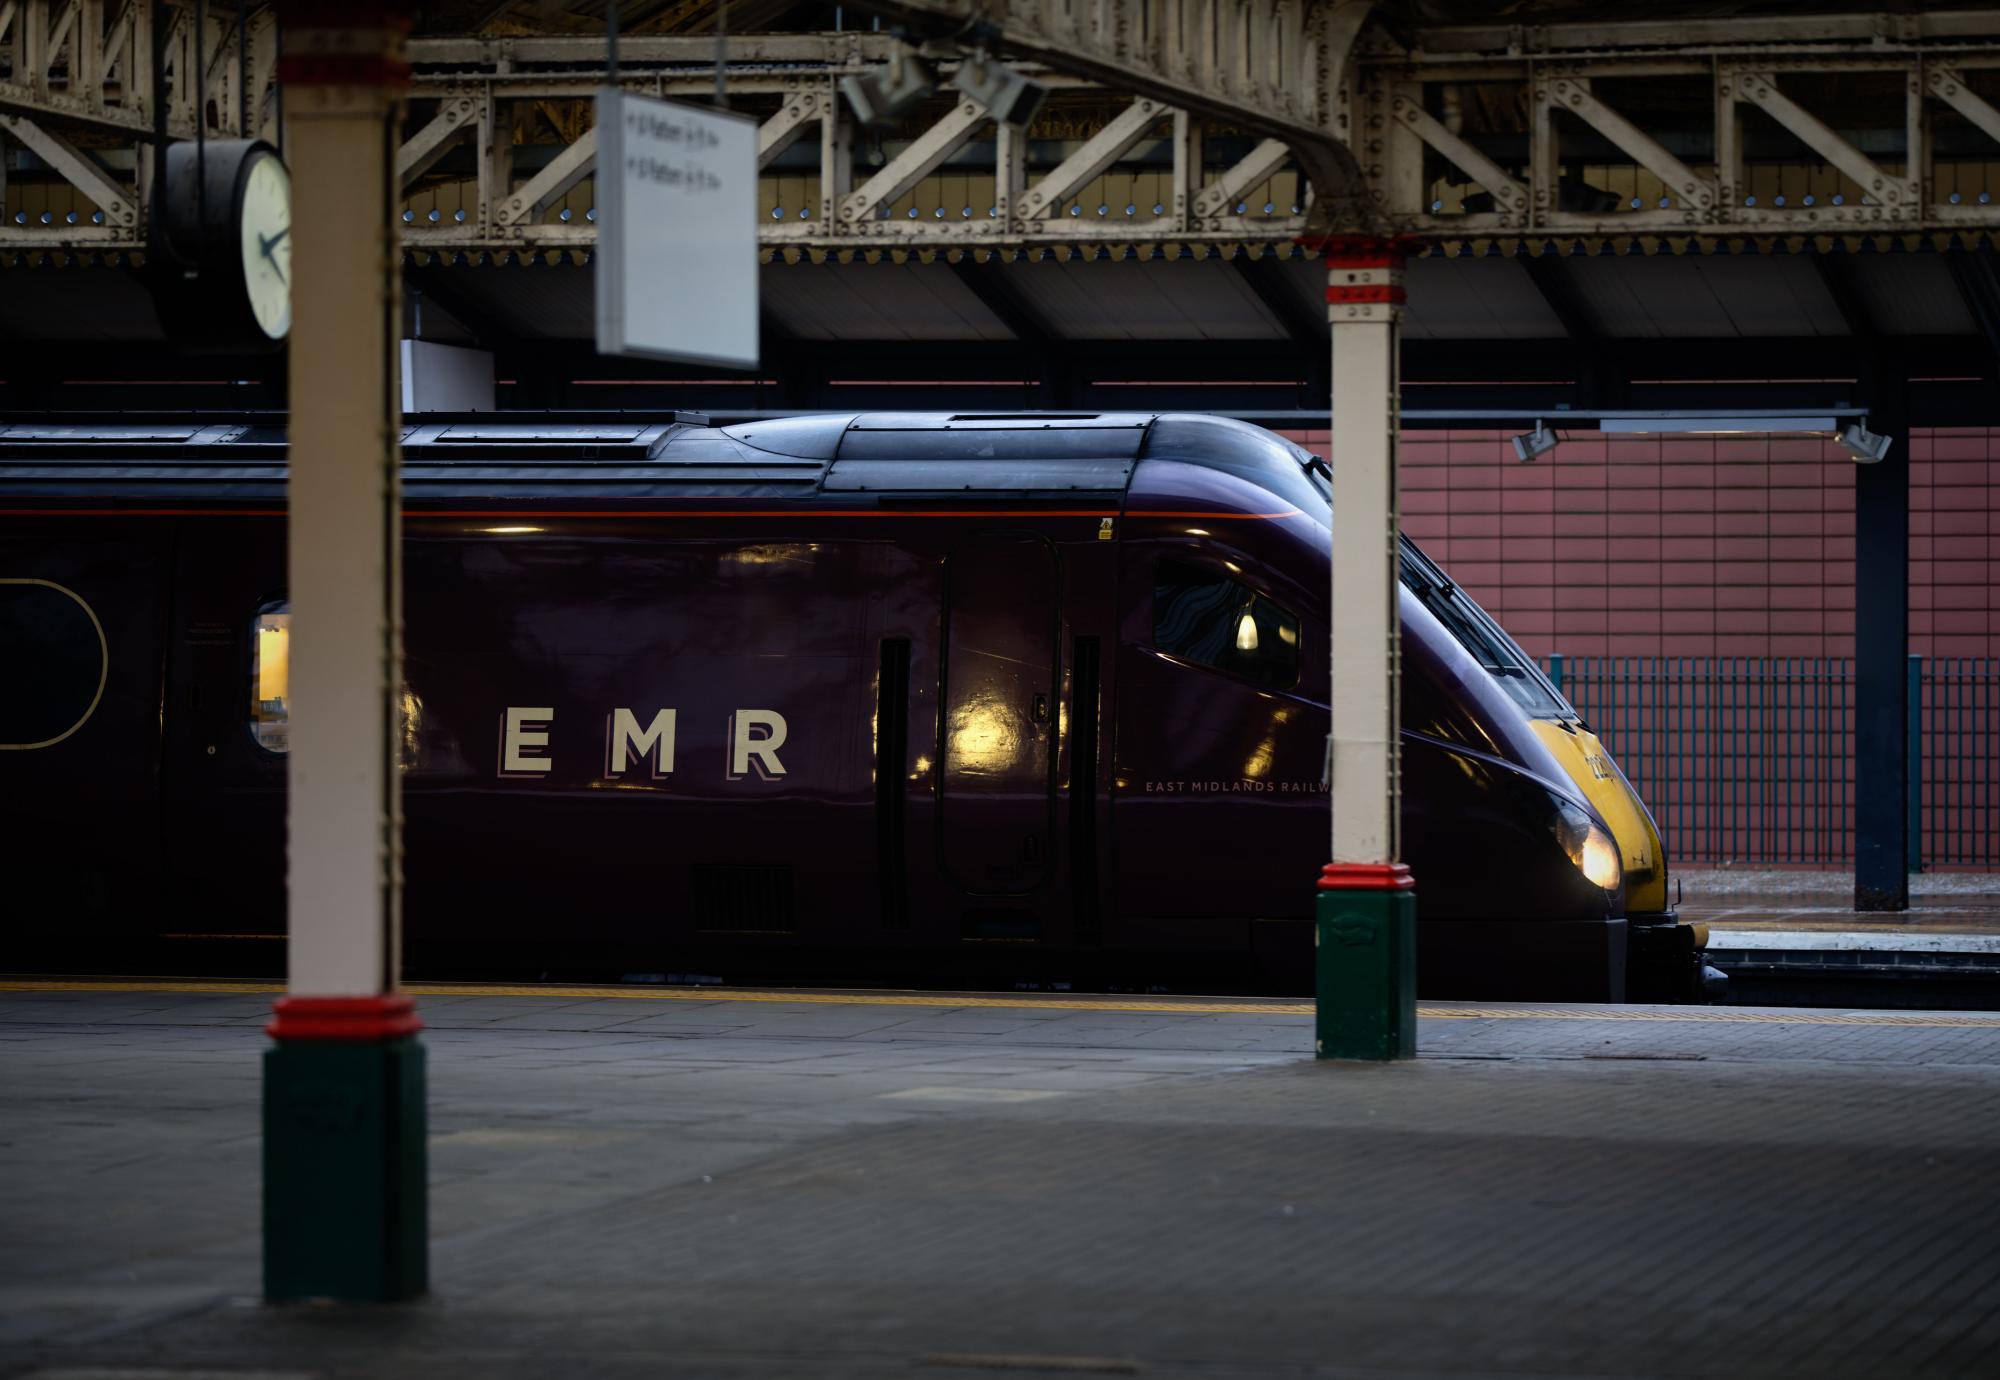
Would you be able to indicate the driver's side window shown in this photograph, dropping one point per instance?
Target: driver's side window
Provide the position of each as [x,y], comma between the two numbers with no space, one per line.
[1212,620]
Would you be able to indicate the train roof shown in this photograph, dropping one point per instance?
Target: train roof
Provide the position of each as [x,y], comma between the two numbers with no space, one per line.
[852,457]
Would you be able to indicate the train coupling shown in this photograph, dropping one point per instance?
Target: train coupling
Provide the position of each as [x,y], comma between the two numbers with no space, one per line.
[1667,963]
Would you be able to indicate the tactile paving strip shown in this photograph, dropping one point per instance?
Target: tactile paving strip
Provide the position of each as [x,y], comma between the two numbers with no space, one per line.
[1302,1007]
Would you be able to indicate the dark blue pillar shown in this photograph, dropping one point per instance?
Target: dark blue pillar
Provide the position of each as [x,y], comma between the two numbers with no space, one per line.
[1881,668]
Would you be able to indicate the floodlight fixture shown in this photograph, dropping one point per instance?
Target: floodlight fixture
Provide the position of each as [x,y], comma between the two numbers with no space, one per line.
[1531,444]
[881,98]
[1867,447]
[1008,96]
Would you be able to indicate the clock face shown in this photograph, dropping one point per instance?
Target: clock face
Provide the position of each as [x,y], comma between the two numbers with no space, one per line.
[267,244]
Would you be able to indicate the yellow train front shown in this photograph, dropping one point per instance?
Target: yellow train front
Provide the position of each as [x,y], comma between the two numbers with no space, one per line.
[1665,959]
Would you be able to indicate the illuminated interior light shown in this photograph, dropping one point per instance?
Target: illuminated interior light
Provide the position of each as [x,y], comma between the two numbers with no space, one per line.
[1246,634]
[509,531]
[271,679]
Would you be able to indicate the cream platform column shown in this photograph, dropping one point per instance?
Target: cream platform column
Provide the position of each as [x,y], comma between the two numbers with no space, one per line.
[344,1204]
[1366,932]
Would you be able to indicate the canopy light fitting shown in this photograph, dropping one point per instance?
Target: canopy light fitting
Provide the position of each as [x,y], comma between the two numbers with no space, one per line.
[1530,444]
[1010,97]
[881,98]
[1867,447]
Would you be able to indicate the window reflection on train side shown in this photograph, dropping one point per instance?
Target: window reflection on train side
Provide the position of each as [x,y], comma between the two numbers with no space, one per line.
[1212,620]
[271,676]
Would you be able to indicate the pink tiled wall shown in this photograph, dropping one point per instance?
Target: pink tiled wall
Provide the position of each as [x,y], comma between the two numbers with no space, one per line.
[1700,546]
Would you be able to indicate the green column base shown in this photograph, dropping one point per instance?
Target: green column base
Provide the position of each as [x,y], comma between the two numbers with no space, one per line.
[1365,953]
[344,1173]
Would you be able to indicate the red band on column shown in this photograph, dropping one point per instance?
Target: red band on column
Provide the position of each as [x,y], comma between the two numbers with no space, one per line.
[355,43]
[1367,292]
[1366,877]
[344,69]
[344,1020]
[1361,251]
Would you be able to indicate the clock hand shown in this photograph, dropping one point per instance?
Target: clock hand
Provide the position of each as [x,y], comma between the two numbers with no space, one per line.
[265,245]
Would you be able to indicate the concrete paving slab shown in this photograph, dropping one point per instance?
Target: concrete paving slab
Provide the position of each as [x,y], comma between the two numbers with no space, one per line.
[1544,1192]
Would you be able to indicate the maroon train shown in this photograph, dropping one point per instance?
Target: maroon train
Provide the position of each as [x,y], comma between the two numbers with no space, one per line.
[941,699]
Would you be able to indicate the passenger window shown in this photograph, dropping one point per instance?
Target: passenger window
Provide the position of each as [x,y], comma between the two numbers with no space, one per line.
[271,676]
[1211,619]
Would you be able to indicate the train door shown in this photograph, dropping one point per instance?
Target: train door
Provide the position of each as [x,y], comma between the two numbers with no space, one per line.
[998,727]
[82,613]
[228,697]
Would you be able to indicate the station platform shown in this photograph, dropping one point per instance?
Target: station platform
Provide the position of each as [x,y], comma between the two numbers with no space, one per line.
[664,1181]
[1793,936]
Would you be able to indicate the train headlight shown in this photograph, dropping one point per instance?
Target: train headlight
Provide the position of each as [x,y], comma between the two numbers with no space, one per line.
[1594,851]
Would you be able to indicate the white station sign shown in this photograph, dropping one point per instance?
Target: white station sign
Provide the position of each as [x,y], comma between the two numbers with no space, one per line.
[676,231]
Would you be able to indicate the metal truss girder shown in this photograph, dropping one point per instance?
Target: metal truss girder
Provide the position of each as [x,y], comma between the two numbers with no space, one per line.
[1507,192]
[421,150]
[1796,31]
[1098,153]
[1259,165]
[783,130]
[914,163]
[1761,89]
[88,63]
[538,57]
[1574,95]
[1273,66]
[77,168]
[1403,87]
[552,183]
[1949,86]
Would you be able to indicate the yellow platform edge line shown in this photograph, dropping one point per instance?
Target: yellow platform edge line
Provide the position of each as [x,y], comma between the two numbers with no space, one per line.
[1300,1007]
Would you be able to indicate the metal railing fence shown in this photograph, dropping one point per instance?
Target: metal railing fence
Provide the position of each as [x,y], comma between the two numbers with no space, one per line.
[1751,759]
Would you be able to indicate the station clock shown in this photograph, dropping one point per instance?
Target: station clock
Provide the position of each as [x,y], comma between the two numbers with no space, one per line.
[219,246]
